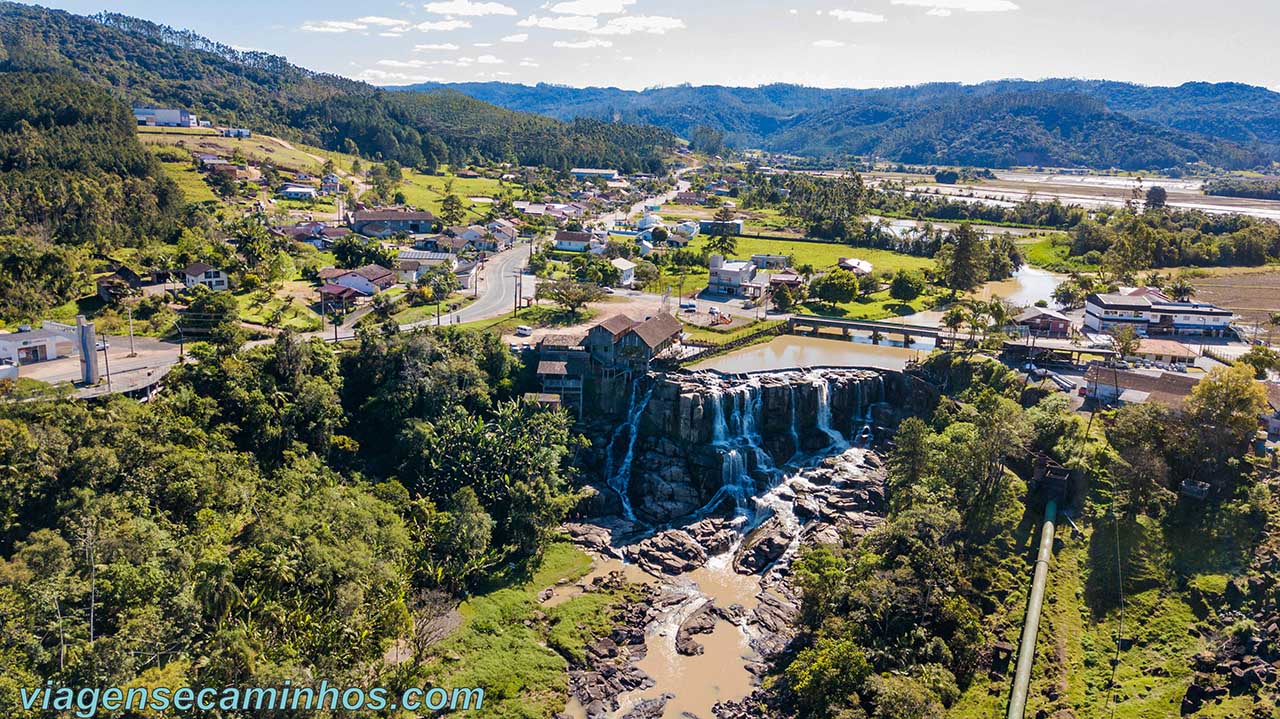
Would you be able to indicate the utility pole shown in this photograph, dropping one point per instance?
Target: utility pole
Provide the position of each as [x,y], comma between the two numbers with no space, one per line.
[131,352]
[106,358]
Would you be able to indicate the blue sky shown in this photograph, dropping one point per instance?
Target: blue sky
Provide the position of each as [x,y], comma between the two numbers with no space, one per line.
[841,43]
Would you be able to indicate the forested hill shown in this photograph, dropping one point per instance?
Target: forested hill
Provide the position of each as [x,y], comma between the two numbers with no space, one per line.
[145,63]
[1009,122]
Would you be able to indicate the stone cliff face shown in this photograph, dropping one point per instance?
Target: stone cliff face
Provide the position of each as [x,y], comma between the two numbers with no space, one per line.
[704,438]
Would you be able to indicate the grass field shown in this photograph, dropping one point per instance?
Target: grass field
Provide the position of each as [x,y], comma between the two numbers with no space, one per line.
[281,153]
[875,306]
[293,315]
[428,191]
[191,182]
[1254,295]
[1050,253]
[823,255]
[515,650]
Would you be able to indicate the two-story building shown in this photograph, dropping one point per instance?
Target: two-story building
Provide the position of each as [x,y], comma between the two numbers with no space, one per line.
[199,273]
[626,271]
[331,184]
[1150,314]
[731,277]
[1044,322]
[725,228]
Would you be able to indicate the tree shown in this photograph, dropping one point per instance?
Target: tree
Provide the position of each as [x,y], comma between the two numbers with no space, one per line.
[1224,407]
[867,284]
[835,287]
[962,260]
[1181,289]
[723,245]
[783,298]
[1157,198]
[570,295]
[724,214]
[954,318]
[1262,359]
[452,211]
[1126,341]
[906,285]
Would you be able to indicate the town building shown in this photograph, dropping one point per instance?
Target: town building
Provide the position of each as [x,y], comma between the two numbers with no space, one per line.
[236,132]
[367,280]
[299,192]
[593,173]
[861,268]
[164,117]
[690,198]
[199,273]
[1271,419]
[1164,352]
[331,184]
[626,271]
[383,223]
[34,345]
[725,228]
[771,262]
[1044,322]
[730,277]
[1110,386]
[567,241]
[1150,315]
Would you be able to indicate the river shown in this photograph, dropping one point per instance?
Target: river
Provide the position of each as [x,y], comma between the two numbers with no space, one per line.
[1028,286]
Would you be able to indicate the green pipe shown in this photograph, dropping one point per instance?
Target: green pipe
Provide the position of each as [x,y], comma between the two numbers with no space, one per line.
[1031,625]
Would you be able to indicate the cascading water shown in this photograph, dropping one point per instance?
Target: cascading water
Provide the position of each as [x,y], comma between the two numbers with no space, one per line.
[621,480]
[838,442]
[795,414]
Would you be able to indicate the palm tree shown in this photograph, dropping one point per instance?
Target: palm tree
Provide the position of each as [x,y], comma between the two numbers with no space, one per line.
[1181,289]
[998,311]
[953,318]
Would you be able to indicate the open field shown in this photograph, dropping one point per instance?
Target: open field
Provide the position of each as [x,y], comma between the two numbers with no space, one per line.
[765,221]
[428,191]
[191,182]
[1095,191]
[1254,295]
[823,255]
[281,153]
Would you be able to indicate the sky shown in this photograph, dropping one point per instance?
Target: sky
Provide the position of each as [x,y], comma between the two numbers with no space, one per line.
[828,43]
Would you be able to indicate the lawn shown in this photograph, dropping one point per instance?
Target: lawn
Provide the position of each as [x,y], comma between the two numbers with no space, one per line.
[426,312]
[277,311]
[428,191]
[288,156]
[514,648]
[1050,253]
[537,316]
[191,182]
[823,255]
[723,336]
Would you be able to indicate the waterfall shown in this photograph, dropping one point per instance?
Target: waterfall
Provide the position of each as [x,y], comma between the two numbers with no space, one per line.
[795,413]
[823,387]
[621,480]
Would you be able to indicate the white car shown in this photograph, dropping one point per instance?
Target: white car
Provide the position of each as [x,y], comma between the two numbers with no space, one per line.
[524,331]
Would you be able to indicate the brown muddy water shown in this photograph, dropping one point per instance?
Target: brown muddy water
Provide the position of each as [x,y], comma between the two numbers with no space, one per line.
[698,682]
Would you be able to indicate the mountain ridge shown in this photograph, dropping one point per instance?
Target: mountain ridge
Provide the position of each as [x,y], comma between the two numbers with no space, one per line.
[1227,124]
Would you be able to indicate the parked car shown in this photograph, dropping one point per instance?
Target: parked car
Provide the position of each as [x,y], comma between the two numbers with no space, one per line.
[103,344]
[524,331]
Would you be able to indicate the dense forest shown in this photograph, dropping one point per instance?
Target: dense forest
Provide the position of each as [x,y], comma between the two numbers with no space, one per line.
[279,513]
[1049,122]
[898,624]
[1257,188]
[74,181]
[150,64]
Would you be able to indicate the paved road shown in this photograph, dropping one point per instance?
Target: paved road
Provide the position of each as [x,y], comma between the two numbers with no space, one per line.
[497,291]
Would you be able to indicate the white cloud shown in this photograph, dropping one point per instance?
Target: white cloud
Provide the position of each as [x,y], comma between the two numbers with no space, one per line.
[402,63]
[391,33]
[793,11]
[387,78]
[442,25]
[856,16]
[468,8]
[518,37]
[627,24]
[489,60]
[481,44]
[379,20]
[582,44]
[965,5]
[939,12]
[591,7]
[577,23]
[332,26]
[528,62]
[827,43]
[435,46]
